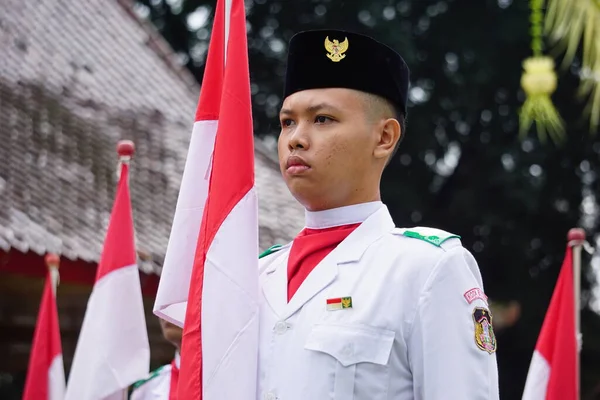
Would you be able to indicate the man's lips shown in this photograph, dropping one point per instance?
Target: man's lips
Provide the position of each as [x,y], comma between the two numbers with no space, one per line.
[296,165]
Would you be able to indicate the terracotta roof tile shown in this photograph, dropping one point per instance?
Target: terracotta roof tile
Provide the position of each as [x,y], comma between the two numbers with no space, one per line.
[75,78]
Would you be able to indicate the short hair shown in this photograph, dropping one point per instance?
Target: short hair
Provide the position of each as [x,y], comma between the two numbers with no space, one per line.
[399,115]
[378,102]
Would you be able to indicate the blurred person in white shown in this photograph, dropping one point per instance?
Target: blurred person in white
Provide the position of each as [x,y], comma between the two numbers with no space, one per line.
[161,384]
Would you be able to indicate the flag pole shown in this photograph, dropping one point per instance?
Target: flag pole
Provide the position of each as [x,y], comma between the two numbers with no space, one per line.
[125,150]
[576,239]
[45,372]
[115,305]
[52,263]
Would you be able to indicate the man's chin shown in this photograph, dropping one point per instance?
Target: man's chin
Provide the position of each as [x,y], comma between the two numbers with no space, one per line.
[173,335]
[300,190]
[310,198]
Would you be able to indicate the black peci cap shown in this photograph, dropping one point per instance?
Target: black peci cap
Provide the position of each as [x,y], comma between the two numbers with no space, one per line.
[340,59]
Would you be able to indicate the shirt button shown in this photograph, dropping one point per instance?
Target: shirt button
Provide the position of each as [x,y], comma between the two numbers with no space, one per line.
[281,327]
[270,396]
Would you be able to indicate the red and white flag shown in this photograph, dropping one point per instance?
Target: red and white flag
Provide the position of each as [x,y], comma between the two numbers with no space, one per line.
[210,273]
[46,373]
[553,370]
[112,351]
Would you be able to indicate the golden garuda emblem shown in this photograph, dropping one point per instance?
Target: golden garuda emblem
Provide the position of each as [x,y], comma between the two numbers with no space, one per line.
[336,49]
[346,302]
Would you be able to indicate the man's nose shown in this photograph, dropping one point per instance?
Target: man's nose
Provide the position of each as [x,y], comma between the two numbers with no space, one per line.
[299,138]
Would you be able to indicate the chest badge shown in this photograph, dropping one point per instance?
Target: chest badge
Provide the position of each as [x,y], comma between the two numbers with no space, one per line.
[484,331]
[339,303]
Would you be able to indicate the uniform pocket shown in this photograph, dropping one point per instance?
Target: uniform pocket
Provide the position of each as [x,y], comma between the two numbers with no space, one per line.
[362,353]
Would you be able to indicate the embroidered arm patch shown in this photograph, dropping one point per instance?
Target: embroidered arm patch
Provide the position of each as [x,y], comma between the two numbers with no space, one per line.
[474,294]
[485,339]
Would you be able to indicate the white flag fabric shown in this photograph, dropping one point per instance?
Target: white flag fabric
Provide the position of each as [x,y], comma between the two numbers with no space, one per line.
[210,275]
[553,370]
[46,374]
[113,351]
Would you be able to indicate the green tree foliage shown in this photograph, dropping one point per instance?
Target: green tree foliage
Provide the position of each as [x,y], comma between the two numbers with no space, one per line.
[462,166]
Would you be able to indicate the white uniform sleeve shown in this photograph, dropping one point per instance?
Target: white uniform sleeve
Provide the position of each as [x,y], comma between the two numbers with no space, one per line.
[137,394]
[156,387]
[449,358]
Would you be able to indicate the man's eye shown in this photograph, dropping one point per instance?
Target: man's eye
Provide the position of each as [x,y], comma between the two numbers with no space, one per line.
[321,119]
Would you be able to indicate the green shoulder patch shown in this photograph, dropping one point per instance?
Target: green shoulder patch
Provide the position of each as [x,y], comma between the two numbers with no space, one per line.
[270,250]
[153,375]
[434,236]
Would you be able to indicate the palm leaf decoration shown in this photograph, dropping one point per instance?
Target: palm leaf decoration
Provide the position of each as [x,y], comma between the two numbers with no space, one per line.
[569,25]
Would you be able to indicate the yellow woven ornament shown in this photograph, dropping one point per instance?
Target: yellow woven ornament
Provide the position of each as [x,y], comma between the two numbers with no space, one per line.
[572,25]
[539,82]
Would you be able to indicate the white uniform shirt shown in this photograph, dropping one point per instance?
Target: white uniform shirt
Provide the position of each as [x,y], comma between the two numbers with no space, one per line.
[413,330]
[157,386]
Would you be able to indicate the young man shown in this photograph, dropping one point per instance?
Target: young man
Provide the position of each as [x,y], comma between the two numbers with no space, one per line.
[355,308]
[162,383]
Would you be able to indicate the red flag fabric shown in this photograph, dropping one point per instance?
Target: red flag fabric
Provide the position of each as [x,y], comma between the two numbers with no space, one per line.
[174,382]
[210,274]
[112,350]
[46,375]
[553,370]
[220,336]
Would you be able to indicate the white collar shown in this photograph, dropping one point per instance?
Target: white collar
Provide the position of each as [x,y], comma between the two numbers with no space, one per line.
[177,359]
[347,215]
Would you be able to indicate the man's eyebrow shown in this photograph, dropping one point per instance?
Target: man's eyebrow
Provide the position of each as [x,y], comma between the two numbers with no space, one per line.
[321,106]
[312,109]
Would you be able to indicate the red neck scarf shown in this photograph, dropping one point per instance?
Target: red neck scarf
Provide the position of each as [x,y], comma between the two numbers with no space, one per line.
[310,247]
[174,380]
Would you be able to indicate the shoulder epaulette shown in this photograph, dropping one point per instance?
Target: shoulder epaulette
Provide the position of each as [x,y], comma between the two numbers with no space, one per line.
[270,250]
[433,236]
[153,375]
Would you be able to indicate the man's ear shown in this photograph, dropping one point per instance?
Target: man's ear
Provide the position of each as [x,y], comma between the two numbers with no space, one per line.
[389,135]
